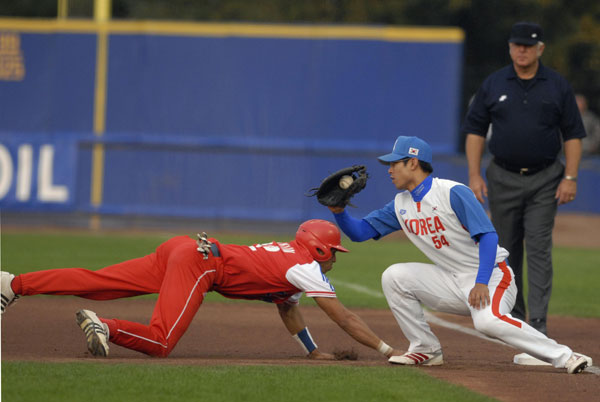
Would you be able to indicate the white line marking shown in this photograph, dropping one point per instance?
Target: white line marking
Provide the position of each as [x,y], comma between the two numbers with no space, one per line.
[360,289]
[593,369]
[457,327]
[441,322]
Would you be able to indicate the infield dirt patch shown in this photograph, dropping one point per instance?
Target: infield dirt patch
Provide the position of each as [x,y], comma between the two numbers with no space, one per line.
[252,334]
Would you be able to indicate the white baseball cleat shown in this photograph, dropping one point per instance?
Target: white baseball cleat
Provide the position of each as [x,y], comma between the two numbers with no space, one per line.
[416,358]
[96,332]
[8,296]
[577,363]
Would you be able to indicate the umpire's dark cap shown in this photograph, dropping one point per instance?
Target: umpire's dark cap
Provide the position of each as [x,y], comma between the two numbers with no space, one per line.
[525,33]
[408,147]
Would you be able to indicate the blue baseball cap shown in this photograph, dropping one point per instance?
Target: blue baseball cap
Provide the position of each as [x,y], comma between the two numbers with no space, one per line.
[408,147]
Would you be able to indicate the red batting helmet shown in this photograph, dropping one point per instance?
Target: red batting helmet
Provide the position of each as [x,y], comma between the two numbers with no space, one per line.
[319,237]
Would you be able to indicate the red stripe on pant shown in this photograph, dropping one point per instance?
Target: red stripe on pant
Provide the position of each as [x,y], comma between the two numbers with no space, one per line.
[500,289]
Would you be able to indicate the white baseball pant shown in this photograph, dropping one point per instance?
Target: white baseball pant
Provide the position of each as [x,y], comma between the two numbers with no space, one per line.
[408,285]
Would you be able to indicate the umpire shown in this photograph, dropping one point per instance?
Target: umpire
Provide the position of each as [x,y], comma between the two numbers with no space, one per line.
[532,112]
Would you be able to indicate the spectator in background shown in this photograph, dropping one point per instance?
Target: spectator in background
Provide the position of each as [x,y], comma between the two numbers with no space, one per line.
[533,111]
[591,122]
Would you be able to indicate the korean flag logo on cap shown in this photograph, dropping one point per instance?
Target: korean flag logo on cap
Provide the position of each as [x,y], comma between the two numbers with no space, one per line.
[413,151]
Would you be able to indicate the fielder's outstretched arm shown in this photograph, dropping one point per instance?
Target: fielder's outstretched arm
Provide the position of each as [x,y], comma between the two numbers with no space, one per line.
[354,325]
[356,229]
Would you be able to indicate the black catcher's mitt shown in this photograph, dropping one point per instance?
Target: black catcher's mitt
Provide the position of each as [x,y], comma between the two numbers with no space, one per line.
[331,192]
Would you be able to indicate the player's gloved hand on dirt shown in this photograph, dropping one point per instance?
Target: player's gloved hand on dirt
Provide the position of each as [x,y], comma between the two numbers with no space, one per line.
[479,297]
[316,355]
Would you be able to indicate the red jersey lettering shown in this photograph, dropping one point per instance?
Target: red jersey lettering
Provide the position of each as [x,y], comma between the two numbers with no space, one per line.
[439,226]
[423,225]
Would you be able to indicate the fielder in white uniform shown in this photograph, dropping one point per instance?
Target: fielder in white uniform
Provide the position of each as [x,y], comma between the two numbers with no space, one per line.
[469,274]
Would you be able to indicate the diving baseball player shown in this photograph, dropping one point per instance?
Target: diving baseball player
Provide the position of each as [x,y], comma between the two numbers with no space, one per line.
[469,274]
[182,270]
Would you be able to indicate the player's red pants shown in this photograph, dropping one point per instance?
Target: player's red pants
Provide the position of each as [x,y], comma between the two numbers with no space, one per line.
[176,271]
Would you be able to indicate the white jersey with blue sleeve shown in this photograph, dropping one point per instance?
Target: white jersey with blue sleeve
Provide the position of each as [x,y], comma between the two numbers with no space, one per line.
[442,218]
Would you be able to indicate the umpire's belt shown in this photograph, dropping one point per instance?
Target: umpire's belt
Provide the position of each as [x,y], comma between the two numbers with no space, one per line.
[524,171]
[215,250]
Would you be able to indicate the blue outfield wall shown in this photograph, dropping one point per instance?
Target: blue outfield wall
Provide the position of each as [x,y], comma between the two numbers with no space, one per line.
[188,180]
[56,95]
[220,120]
[239,88]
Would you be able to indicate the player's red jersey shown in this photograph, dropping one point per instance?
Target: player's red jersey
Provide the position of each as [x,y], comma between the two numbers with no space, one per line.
[272,272]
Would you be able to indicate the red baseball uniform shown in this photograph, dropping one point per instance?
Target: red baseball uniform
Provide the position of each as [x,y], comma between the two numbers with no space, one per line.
[272,272]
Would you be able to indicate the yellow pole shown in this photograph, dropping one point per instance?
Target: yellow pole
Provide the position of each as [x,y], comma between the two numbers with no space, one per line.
[102,11]
[62,9]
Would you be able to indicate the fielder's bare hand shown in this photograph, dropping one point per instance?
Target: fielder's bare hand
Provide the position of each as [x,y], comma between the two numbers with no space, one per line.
[479,297]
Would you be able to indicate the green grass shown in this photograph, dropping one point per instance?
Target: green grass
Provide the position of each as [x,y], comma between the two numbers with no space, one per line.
[575,282]
[576,277]
[575,270]
[155,382]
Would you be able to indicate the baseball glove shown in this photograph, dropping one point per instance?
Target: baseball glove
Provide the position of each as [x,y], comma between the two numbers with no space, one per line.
[338,188]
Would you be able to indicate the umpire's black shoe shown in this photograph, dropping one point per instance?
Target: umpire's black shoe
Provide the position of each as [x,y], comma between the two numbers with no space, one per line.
[539,324]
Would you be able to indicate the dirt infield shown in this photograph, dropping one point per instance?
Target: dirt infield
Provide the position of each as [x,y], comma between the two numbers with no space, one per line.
[252,333]
[573,230]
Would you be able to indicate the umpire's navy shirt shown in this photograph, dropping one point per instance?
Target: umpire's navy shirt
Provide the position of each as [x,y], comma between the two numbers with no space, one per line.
[527,116]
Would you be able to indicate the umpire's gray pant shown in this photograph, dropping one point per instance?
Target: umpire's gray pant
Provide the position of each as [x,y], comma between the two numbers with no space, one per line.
[523,210]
